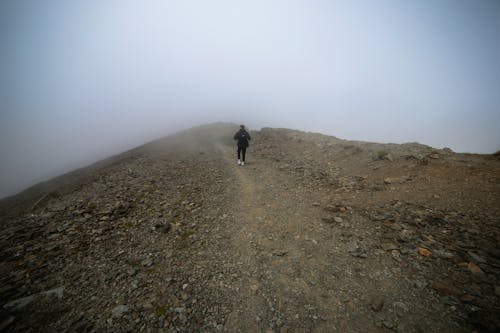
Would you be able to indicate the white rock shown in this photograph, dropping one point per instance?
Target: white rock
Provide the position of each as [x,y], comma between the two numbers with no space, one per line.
[119,310]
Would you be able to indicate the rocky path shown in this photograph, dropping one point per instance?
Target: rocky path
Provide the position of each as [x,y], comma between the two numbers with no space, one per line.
[298,273]
[276,239]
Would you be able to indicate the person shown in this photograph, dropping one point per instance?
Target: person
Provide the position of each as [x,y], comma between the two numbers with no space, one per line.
[242,138]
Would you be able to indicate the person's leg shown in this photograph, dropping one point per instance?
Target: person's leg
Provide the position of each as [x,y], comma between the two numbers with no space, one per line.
[239,151]
[243,151]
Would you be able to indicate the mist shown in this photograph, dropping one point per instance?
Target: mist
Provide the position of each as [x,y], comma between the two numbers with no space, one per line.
[82,80]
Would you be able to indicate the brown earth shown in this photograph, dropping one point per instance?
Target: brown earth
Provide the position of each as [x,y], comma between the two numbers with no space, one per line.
[313,234]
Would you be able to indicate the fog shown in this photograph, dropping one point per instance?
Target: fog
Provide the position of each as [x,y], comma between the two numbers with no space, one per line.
[81,80]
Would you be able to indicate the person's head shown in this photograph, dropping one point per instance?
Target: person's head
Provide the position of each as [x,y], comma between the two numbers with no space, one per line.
[242,126]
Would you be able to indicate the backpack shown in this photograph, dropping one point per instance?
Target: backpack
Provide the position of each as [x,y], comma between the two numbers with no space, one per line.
[243,139]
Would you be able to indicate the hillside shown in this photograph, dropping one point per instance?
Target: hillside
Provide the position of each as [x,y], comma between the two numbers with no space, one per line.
[313,234]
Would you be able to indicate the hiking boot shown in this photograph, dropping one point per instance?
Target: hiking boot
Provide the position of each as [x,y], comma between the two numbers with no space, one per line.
[239,162]
[242,163]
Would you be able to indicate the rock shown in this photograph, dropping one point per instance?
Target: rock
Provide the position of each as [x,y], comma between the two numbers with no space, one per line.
[352,246]
[377,302]
[333,219]
[392,225]
[280,253]
[468,299]
[20,303]
[331,208]
[433,155]
[359,253]
[400,308]
[405,236]
[58,292]
[389,323]
[328,219]
[474,268]
[166,228]
[389,246]
[476,257]
[444,254]
[147,262]
[396,180]
[424,252]
[377,217]
[119,310]
[383,155]
[497,290]
[420,284]
[445,289]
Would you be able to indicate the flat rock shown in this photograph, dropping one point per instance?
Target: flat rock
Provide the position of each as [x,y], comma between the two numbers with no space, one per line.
[58,292]
[377,303]
[20,303]
[474,268]
[445,289]
[119,310]
[147,262]
[280,253]
[389,246]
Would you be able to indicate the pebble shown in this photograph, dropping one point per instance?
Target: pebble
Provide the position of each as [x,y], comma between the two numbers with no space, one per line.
[119,310]
[280,253]
[445,289]
[389,246]
[147,262]
[474,268]
[377,302]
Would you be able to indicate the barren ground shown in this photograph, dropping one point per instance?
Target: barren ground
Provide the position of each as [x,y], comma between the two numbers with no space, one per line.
[313,234]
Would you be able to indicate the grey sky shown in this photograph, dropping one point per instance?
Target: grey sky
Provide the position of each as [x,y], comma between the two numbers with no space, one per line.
[81,80]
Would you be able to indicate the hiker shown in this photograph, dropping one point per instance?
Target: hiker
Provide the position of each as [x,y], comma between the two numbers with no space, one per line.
[242,137]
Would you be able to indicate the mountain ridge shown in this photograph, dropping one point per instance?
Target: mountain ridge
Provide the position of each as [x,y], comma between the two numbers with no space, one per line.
[314,233]
[45,187]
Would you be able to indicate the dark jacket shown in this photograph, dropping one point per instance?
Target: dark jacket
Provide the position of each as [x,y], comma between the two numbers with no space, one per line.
[243,137]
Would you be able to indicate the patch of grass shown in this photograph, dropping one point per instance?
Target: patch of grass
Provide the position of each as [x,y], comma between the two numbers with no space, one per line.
[185,235]
[381,154]
[160,311]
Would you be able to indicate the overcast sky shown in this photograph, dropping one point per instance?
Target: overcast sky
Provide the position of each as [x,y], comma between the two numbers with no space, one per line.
[80,80]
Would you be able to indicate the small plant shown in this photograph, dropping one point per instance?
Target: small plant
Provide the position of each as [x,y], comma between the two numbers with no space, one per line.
[185,235]
[381,154]
[160,311]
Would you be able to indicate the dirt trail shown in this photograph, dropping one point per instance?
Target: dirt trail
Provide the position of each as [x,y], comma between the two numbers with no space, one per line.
[277,239]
